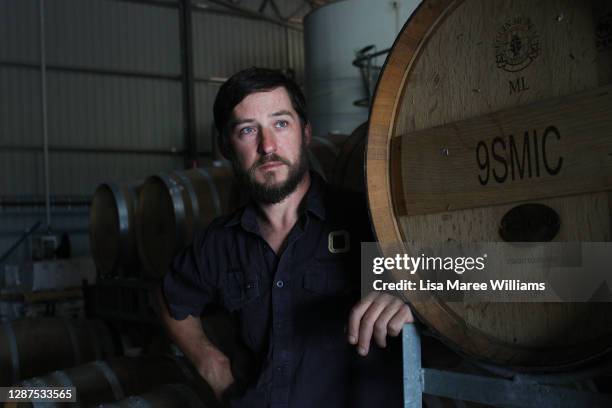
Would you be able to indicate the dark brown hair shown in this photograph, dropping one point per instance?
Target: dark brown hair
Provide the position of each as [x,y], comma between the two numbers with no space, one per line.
[244,83]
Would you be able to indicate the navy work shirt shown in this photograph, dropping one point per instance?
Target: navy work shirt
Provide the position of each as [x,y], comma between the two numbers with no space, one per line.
[292,309]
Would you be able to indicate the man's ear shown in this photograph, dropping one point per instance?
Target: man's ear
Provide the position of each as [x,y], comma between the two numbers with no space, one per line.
[307,133]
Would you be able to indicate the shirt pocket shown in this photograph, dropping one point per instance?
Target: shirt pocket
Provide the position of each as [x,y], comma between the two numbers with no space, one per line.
[327,277]
[240,288]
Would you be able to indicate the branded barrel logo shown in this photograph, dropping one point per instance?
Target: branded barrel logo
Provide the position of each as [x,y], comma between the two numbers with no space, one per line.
[603,32]
[517,44]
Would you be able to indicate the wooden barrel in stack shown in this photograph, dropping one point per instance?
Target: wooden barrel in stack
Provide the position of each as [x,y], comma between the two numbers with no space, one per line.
[173,205]
[118,378]
[167,396]
[112,228]
[34,346]
[349,169]
[323,152]
[482,106]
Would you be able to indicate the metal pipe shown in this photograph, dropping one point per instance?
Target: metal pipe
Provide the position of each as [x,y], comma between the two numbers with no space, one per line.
[212,80]
[39,202]
[158,3]
[357,61]
[103,150]
[31,211]
[75,231]
[45,129]
[189,125]
[22,238]
[94,71]
[245,12]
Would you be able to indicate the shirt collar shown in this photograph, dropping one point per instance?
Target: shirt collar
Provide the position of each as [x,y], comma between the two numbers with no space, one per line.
[312,202]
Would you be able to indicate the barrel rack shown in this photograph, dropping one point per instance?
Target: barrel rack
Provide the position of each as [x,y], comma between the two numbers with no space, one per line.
[518,390]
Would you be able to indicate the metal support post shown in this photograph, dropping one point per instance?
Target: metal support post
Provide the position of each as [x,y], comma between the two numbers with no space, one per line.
[186,35]
[520,391]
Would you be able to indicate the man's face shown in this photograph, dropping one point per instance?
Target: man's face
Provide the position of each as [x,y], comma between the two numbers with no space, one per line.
[269,145]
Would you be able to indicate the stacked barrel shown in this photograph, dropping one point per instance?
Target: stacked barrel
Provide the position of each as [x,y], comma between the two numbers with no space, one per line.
[131,381]
[34,346]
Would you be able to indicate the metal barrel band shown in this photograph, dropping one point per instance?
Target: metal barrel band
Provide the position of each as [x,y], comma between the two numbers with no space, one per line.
[124,221]
[195,207]
[178,205]
[112,379]
[136,401]
[74,343]
[62,378]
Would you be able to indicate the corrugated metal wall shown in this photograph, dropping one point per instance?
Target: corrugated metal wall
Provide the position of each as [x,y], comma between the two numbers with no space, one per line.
[219,52]
[114,83]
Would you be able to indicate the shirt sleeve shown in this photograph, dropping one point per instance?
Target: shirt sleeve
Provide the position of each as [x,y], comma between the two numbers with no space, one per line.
[188,285]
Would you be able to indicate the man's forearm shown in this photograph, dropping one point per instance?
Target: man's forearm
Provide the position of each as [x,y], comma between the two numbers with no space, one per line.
[189,336]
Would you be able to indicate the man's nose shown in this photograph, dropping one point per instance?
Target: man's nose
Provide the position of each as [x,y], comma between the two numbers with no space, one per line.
[267,143]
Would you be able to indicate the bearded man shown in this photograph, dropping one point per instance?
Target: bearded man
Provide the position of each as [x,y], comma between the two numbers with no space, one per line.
[286,266]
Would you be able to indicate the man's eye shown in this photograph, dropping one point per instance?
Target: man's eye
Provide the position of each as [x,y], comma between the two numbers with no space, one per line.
[247,130]
[282,124]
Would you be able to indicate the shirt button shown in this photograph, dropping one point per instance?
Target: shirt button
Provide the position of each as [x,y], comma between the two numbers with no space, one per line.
[280,284]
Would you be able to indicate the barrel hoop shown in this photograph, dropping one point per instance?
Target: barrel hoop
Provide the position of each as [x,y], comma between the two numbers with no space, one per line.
[136,401]
[214,194]
[179,207]
[180,362]
[38,382]
[47,404]
[124,222]
[62,378]
[128,244]
[112,379]
[34,382]
[13,348]
[77,355]
[195,206]
[186,391]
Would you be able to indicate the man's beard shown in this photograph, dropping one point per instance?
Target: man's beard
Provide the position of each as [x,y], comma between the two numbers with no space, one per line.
[273,194]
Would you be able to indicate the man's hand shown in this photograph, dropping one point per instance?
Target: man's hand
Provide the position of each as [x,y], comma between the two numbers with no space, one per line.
[379,314]
[216,371]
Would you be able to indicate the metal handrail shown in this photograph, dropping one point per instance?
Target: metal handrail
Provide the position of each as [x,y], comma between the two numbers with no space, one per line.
[364,63]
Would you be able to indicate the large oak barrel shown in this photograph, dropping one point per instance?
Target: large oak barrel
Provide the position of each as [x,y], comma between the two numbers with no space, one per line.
[484,105]
[118,378]
[173,205]
[34,346]
[167,396]
[112,229]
